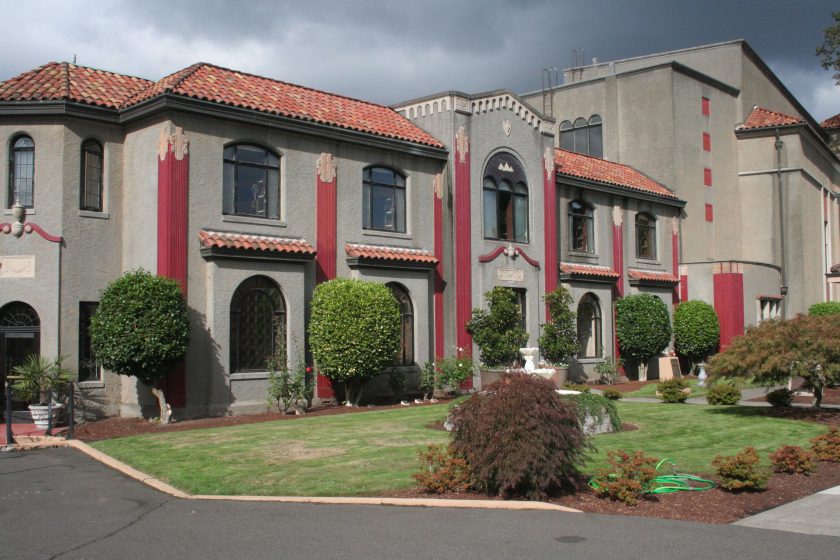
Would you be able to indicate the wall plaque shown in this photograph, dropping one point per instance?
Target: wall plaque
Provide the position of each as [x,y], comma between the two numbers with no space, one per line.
[17,266]
[510,274]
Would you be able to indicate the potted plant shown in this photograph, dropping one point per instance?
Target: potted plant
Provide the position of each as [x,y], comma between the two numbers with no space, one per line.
[498,333]
[558,341]
[38,380]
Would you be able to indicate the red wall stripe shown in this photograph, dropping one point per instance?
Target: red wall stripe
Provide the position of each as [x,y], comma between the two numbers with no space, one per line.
[675,263]
[463,248]
[707,142]
[684,287]
[729,305]
[707,176]
[438,299]
[710,213]
[618,266]
[705,106]
[550,226]
[325,240]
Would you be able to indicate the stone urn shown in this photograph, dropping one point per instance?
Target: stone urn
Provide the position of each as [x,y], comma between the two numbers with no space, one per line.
[41,415]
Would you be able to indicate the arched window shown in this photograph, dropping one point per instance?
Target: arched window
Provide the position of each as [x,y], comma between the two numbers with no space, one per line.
[251,182]
[589,327]
[645,236]
[596,138]
[383,199]
[257,325]
[567,136]
[583,137]
[405,353]
[582,237]
[91,180]
[20,331]
[505,199]
[22,172]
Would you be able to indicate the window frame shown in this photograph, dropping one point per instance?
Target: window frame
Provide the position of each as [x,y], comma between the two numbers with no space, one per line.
[13,195]
[83,179]
[87,359]
[266,287]
[405,352]
[505,216]
[399,203]
[588,217]
[650,228]
[594,323]
[230,202]
[585,130]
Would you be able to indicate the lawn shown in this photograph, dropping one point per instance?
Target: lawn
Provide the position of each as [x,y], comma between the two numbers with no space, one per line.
[373,452]
[649,390]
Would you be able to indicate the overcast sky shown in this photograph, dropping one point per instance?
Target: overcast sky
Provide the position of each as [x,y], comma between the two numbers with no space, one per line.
[393,51]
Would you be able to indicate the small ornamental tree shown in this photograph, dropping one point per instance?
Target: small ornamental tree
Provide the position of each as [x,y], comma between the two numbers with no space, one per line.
[354,332]
[558,341]
[824,308]
[696,331]
[807,346]
[141,329]
[643,328]
[497,331]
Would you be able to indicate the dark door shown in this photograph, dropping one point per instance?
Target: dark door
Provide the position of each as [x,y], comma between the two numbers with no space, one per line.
[20,333]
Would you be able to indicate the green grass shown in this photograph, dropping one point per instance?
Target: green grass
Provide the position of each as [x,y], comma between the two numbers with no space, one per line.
[374,452]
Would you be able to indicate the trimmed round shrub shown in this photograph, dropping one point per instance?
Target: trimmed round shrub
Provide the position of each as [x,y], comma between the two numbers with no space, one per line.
[827,446]
[628,477]
[141,327]
[519,438]
[825,308]
[643,327]
[612,394]
[723,393]
[354,331]
[696,330]
[779,398]
[496,331]
[673,390]
[741,471]
[558,341]
[792,459]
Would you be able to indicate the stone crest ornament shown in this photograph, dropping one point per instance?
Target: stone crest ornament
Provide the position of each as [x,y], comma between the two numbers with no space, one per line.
[176,142]
[462,144]
[326,167]
[675,225]
[548,157]
[617,217]
[437,185]
[506,127]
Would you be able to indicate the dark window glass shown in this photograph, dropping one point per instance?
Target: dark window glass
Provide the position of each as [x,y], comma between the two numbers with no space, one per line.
[645,236]
[89,370]
[596,140]
[257,325]
[505,199]
[567,136]
[521,303]
[589,328]
[584,137]
[582,230]
[383,199]
[405,353]
[91,181]
[22,172]
[251,182]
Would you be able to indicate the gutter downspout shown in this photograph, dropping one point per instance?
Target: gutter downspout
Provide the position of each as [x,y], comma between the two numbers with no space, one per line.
[783,289]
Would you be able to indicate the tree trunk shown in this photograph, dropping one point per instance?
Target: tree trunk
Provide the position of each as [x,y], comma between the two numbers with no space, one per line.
[818,395]
[165,409]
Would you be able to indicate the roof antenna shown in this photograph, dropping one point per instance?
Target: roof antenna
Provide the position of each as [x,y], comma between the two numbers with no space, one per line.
[74,58]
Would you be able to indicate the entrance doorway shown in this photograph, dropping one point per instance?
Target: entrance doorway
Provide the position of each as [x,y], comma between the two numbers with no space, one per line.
[20,336]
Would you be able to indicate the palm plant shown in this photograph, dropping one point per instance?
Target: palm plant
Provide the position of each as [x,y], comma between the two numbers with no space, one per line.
[37,377]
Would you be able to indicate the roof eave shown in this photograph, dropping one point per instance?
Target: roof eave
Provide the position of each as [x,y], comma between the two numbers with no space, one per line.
[617,189]
[58,107]
[355,262]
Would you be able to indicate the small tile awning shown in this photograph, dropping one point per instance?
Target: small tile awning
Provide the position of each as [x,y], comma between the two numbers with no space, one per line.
[223,243]
[358,253]
[766,297]
[655,277]
[579,271]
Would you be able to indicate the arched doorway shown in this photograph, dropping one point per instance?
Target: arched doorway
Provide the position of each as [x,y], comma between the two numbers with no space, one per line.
[20,336]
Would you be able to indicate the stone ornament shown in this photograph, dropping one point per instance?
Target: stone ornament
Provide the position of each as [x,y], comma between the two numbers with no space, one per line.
[617,216]
[437,185]
[675,225]
[548,160]
[326,167]
[176,142]
[462,144]
[506,127]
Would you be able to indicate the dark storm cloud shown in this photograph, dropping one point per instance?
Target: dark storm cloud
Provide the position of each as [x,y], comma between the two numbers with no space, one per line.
[391,51]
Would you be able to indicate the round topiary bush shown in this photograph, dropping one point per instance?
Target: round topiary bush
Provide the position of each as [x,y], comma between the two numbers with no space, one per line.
[824,308]
[354,332]
[643,327]
[497,331]
[779,398]
[673,390]
[519,438]
[696,330]
[558,341]
[723,393]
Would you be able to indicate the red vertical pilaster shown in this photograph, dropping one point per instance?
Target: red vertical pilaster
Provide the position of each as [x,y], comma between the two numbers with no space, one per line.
[438,298]
[325,240]
[675,257]
[618,262]
[550,217]
[728,281]
[463,247]
[172,223]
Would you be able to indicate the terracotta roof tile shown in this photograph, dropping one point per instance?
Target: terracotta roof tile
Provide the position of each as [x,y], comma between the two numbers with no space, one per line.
[763,118]
[248,242]
[608,172]
[399,254]
[652,276]
[766,297]
[577,269]
[831,122]
[64,81]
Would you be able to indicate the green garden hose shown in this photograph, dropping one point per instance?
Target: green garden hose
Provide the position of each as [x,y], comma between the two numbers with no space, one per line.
[668,483]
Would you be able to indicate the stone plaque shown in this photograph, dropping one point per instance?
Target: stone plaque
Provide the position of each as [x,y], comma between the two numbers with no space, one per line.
[18,266]
[510,274]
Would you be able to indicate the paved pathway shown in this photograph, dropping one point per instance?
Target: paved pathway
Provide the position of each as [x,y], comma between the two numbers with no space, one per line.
[58,503]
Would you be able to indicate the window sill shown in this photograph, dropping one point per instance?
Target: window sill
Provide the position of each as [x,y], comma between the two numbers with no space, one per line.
[495,240]
[271,222]
[583,254]
[648,261]
[29,211]
[246,375]
[91,384]
[383,233]
[93,214]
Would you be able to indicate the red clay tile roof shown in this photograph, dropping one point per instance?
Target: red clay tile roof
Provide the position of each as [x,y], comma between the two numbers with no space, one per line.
[64,81]
[831,122]
[763,118]
[400,254]
[769,297]
[603,171]
[247,242]
[577,269]
[652,276]
[56,81]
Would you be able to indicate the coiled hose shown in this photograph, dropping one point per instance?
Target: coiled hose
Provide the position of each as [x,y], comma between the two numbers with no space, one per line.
[668,483]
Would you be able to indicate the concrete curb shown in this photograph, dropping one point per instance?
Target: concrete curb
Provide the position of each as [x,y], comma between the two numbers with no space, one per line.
[43,442]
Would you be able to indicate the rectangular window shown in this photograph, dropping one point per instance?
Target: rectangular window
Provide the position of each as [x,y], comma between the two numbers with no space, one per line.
[89,370]
[707,142]
[768,309]
[707,176]
[706,106]
[522,304]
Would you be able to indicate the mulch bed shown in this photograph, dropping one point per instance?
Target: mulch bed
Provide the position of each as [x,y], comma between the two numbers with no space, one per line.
[830,396]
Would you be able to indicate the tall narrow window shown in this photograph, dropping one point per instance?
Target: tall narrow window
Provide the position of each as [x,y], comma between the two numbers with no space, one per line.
[522,304]
[596,138]
[581,136]
[645,236]
[257,325]
[91,180]
[22,172]
[505,199]
[582,229]
[251,182]
[88,368]
[405,353]
[589,327]
[383,200]
[567,136]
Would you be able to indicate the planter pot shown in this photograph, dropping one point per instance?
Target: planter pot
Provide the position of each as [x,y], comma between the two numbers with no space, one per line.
[40,415]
